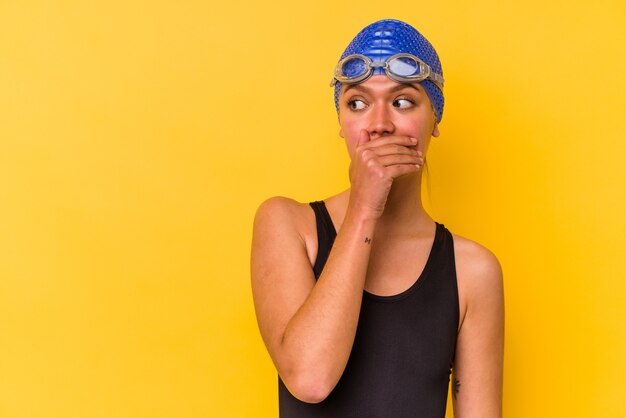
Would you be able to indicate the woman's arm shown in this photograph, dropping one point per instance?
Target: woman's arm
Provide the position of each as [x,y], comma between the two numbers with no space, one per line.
[477,372]
[309,327]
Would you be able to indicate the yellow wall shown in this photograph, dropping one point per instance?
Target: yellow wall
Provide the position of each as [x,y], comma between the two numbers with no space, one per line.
[138,138]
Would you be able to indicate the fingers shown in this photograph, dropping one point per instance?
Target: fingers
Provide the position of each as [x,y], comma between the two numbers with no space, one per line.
[375,165]
[386,157]
[391,145]
[389,150]
[404,141]
[397,159]
[401,169]
[392,149]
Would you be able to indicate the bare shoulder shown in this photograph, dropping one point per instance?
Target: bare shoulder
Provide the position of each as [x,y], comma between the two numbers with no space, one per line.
[479,275]
[279,212]
[279,207]
[280,218]
[475,262]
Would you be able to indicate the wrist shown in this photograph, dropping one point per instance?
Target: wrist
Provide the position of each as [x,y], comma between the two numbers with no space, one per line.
[363,212]
[361,218]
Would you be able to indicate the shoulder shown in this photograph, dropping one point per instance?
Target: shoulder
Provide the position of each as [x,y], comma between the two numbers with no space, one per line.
[279,218]
[280,210]
[475,260]
[479,273]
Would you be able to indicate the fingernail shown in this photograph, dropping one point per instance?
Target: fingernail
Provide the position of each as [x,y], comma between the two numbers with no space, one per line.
[414,140]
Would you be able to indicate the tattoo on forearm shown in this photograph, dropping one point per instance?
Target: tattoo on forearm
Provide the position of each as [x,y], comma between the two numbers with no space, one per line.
[457,387]
[368,240]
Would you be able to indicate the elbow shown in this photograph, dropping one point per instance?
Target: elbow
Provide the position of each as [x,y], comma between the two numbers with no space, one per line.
[308,387]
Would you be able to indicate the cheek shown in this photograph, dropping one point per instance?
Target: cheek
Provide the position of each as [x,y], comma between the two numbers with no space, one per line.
[350,129]
[421,127]
[351,141]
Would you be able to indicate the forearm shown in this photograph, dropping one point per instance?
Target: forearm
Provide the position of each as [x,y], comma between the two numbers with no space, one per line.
[318,339]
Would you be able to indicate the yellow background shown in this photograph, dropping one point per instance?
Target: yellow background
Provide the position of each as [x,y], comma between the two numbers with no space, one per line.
[138,139]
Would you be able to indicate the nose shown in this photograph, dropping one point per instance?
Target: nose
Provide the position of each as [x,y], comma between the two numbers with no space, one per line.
[380,123]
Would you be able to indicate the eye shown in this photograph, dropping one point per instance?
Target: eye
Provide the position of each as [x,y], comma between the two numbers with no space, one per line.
[356,104]
[403,103]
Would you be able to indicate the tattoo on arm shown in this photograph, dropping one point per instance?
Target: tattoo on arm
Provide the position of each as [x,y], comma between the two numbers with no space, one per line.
[368,240]
[457,387]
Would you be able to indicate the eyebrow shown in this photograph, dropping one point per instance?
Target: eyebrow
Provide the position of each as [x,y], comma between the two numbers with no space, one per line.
[392,90]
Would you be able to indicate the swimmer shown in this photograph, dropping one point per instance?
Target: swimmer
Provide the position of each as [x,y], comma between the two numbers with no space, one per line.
[368,306]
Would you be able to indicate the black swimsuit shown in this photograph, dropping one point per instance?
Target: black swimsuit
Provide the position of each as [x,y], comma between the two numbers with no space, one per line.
[404,346]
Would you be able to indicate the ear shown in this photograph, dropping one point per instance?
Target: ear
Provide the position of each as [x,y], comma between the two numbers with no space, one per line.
[341,133]
[436,130]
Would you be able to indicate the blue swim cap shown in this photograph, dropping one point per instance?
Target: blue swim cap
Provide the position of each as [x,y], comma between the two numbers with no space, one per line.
[380,40]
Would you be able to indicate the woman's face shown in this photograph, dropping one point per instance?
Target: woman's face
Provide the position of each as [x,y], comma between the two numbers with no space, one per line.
[384,107]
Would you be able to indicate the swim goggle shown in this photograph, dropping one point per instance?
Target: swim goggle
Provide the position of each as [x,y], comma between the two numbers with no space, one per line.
[403,68]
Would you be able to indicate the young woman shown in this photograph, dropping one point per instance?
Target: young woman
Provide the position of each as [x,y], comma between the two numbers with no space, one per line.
[366,304]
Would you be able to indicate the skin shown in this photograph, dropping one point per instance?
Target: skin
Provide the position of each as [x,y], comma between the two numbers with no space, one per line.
[308,327]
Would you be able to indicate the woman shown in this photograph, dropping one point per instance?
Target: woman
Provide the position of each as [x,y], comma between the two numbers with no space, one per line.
[364,302]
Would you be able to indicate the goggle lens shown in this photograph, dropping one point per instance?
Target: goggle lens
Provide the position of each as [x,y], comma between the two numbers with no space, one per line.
[404,66]
[354,67]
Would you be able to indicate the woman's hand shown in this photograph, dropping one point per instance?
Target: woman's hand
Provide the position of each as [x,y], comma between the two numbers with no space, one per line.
[375,164]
